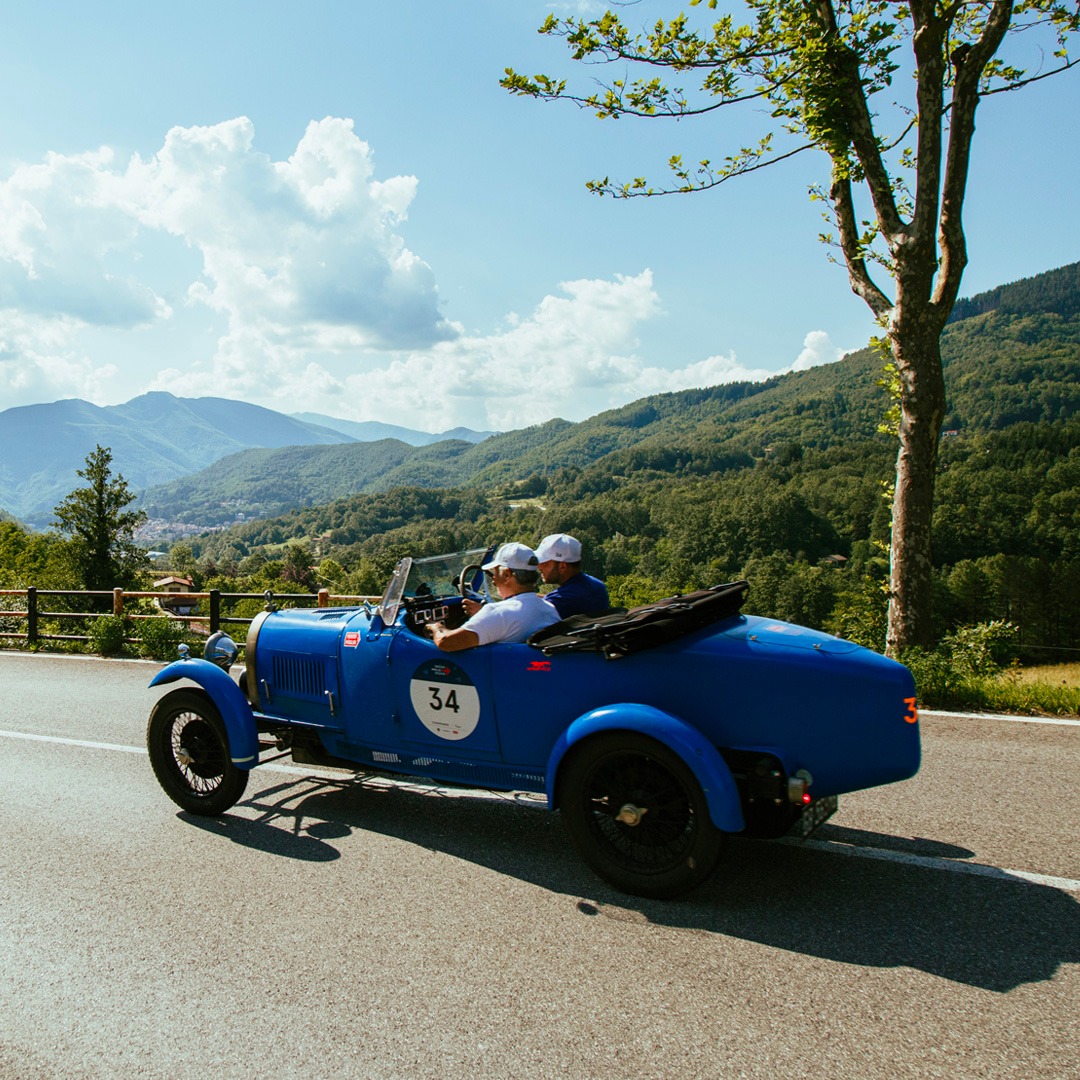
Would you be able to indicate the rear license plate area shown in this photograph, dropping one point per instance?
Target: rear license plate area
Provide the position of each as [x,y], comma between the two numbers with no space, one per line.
[813,815]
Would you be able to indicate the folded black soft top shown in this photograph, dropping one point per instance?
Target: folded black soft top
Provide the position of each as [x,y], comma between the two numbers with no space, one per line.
[619,633]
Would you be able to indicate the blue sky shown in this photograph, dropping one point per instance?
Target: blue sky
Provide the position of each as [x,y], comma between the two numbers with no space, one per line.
[333,207]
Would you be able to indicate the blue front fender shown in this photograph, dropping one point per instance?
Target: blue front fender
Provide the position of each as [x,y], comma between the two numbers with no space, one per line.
[702,758]
[225,694]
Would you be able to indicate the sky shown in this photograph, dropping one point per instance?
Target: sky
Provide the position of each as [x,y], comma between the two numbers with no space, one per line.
[333,207]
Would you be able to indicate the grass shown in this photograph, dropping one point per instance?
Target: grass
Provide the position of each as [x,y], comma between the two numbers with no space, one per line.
[1049,675]
[1050,690]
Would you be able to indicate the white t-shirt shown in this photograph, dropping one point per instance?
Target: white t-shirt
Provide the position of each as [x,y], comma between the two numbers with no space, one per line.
[512,619]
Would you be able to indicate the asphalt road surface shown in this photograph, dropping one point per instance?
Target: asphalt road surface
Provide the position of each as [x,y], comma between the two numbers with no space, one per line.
[328,927]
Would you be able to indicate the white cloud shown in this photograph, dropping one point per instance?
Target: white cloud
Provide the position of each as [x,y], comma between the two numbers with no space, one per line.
[294,255]
[306,245]
[289,284]
[58,229]
[573,356]
[37,363]
[818,349]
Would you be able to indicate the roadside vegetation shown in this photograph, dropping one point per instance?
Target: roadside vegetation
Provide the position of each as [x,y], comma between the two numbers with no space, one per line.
[967,673]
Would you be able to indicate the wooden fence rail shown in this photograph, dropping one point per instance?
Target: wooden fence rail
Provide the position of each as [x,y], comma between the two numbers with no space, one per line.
[204,623]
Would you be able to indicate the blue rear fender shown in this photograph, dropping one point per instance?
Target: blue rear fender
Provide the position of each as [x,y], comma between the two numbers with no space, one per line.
[700,756]
[231,703]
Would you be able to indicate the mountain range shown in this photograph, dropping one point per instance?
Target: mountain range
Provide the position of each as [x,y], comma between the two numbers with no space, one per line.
[375,431]
[155,438]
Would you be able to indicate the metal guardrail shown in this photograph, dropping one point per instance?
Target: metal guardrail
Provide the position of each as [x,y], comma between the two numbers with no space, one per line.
[204,623]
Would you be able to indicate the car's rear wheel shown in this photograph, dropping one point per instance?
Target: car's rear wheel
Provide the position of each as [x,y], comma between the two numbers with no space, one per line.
[637,816]
[189,753]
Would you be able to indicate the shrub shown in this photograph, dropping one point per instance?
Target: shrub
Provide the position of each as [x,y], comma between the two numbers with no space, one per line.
[159,637]
[106,635]
[982,649]
[961,669]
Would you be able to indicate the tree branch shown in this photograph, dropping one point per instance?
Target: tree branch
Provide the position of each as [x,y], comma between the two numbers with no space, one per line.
[847,224]
[636,189]
[969,67]
[1019,84]
[844,67]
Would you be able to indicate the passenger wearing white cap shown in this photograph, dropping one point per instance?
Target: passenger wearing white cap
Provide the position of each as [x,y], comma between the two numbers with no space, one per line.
[578,593]
[520,611]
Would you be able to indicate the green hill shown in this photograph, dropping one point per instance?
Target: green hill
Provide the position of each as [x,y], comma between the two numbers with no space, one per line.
[1002,367]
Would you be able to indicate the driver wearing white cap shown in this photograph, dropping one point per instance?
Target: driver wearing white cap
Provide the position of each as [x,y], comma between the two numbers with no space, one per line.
[521,611]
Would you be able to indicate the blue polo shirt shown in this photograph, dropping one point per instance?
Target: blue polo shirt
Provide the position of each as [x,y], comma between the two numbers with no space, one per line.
[580,595]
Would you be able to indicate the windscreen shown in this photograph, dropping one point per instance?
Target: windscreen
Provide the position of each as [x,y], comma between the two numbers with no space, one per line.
[395,590]
[438,575]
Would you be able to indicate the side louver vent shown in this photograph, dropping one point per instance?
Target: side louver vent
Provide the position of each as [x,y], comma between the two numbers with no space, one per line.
[299,676]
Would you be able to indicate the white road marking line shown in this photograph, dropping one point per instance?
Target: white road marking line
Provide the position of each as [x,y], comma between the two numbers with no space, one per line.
[831,846]
[929,862]
[73,742]
[1056,720]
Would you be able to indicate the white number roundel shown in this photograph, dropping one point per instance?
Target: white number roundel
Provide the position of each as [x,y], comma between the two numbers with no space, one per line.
[445,700]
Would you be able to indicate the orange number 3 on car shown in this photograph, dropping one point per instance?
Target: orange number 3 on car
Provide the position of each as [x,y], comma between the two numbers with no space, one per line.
[912,714]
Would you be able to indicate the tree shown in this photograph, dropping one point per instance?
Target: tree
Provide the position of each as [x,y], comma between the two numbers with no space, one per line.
[37,559]
[182,560]
[297,568]
[103,550]
[817,73]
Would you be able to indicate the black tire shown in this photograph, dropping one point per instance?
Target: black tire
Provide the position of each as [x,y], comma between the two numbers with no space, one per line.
[670,848]
[189,753]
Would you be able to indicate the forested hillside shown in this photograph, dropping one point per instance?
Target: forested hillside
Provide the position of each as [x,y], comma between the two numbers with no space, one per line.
[1055,292]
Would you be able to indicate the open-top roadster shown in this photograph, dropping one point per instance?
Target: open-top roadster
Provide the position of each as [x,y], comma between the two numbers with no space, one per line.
[653,732]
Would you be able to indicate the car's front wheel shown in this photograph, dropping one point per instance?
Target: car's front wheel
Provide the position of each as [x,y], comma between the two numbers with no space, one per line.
[189,753]
[637,816]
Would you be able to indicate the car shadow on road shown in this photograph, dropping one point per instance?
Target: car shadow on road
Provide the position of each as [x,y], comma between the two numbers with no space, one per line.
[991,932]
[996,933]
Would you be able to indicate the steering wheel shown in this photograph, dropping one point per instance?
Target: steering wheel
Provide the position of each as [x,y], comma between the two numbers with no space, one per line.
[465,578]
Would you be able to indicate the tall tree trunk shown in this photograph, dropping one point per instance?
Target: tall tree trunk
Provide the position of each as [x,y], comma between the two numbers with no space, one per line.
[917,355]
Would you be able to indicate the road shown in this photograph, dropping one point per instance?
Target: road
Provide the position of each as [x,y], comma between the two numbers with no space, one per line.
[328,927]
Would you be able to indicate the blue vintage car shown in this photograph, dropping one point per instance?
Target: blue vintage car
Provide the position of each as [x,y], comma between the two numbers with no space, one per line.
[654,732]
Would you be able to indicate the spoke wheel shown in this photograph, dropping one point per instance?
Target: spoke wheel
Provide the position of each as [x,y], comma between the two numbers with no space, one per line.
[189,753]
[637,815]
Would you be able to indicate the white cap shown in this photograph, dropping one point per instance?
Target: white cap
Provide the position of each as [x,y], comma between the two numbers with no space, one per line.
[513,557]
[558,547]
